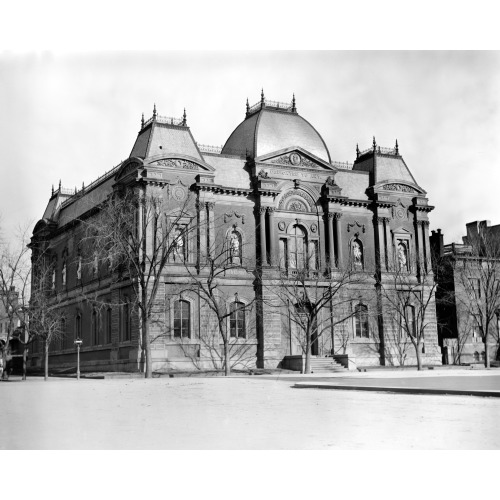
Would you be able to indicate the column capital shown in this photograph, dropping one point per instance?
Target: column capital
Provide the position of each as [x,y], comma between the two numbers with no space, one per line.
[335,215]
[425,223]
[419,222]
[210,205]
[271,209]
[262,210]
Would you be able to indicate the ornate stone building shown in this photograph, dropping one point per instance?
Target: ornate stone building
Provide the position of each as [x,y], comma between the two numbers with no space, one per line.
[282,201]
[468,296]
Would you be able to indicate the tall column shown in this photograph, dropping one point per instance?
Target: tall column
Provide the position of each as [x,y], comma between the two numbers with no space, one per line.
[263,244]
[202,228]
[272,236]
[388,240]
[381,243]
[420,247]
[338,239]
[427,246]
[210,227]
[331,247]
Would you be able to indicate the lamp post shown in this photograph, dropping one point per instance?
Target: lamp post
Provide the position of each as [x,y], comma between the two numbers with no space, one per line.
[78,343]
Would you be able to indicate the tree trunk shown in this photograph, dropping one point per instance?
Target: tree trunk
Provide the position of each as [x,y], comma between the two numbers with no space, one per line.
[419,354]
[227,361]
[307,368]
[486,352]
[4,361]
[46,360]
[146,345]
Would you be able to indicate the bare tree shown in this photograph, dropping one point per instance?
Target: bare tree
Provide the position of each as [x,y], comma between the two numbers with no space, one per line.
[477,275]
[408,298]
[316,303]
[46,318]
[135,234]
[229,313]
[15,271]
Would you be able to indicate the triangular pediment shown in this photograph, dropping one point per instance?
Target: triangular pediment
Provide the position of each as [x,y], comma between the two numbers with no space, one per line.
[295,158]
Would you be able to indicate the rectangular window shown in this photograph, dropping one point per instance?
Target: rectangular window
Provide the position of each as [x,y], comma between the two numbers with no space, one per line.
[283,253]
[361,320]
[182,319]
[237,320]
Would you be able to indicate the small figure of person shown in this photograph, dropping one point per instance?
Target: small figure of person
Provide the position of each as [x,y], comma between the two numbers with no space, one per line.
[402,256]
[235,248]
[357,253]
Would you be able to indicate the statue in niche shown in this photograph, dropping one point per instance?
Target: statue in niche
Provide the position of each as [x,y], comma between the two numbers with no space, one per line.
[179,246]
[357,253]
[63,273]
[234,246]
[54,278]
[402,256]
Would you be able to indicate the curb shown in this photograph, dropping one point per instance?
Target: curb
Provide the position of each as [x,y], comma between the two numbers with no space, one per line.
[400,390]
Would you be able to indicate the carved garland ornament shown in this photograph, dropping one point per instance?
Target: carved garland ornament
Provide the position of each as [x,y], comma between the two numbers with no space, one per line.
[185,164]
[399,187]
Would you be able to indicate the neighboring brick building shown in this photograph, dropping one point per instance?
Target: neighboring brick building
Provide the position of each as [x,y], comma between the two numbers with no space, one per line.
[275,187]
[462,291]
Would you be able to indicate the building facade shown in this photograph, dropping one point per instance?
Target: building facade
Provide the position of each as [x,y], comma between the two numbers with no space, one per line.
[468,295]
[275,194]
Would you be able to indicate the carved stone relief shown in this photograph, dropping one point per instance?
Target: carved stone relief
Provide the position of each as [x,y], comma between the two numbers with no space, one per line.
[185,164]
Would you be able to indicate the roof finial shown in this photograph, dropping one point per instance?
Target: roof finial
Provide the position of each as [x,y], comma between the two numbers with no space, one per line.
[294,109]
[397,147]
[248,107]
[154,111]
[374,143]
[357,151]
[83,188]
[184,116]
[52,189]
[262,100]
[142,121]
[59,185]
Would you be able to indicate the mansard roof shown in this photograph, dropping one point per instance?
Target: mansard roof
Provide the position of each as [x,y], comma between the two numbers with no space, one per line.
[271,126]
[164,135]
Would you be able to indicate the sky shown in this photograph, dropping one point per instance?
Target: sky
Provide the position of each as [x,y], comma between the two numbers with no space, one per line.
[71,116]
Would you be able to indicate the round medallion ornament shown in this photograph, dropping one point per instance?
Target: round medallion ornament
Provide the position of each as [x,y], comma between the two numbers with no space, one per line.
[281,225]
[295,159]
[400,214]
[314,228]
[178,163]
[178,193]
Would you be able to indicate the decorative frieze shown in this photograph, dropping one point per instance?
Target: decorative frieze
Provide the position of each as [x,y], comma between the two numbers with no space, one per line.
[184,164]
[294,159]
[399,187]
[355,224]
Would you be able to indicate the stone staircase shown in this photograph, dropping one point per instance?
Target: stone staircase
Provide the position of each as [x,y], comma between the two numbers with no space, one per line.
[326,365]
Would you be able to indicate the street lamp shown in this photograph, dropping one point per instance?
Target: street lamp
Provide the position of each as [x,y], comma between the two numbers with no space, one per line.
[78,343]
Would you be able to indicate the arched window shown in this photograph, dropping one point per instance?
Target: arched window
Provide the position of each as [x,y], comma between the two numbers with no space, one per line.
[62,334]
[182,327]
[78,326]
[409,325]
[95,328]
[108,325]
[63,273]
[361,320]
[402,252]
[237,326]
[126,320]
[297,248]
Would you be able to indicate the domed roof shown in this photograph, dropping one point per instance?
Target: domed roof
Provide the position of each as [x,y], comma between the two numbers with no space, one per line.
[272,126]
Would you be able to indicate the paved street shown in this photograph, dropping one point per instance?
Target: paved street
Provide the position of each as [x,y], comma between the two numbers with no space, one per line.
[238,413]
